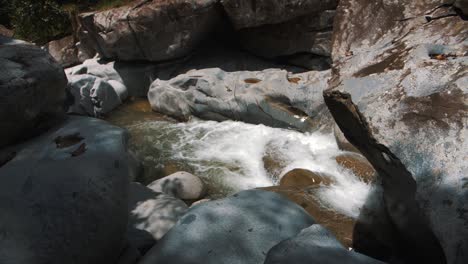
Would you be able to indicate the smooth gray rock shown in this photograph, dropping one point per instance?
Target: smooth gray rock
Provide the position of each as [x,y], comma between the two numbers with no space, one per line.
[151,215]
[63,197]
[95,96]
[182,185]
[32,91]
[315,244]
[399,94]
[148,30]
[238,229]
[271,97]
[246,13]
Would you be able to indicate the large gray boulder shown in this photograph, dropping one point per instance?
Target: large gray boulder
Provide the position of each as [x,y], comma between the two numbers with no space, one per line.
[63,197]
[399,94]
[32,91]
[238,229]
[151,215]
[315,244]
[271,97]
[149,30]
[64,51]
[246,13]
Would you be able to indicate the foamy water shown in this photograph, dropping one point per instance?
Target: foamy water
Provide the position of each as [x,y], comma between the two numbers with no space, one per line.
[229,157]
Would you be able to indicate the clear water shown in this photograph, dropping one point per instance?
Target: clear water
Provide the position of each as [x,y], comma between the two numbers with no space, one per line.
[230,156]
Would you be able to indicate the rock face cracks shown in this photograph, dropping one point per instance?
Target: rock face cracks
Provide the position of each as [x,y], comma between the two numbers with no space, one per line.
[398,92]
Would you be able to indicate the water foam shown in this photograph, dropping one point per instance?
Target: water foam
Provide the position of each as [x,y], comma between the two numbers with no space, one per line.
[229,155]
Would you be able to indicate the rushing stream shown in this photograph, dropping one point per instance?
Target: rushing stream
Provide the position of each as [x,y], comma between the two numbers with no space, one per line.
[232,156]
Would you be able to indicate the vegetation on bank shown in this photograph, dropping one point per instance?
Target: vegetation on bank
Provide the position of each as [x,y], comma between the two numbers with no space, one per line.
[41,21]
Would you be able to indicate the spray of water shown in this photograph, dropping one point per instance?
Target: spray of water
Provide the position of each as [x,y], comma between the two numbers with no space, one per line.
[229,156]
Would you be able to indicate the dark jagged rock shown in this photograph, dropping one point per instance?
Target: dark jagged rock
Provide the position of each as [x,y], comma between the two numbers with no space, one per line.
[399,94]
[32,91]
[247,14]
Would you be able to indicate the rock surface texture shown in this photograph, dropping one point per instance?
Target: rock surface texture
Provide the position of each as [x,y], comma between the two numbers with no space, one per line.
[238,229]
[151,215]
[152,30]
[399,94]
[32,91]
[64,51]
[63,197]
[247,14]
[271,97]
[181,184]
[315,244]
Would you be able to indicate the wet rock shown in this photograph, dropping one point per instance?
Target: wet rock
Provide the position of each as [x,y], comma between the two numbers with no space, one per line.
[399,95]
[314,244]
[32,91]
[246,14]
[304,178]
[182,185]
[245,232]
[358,165]
[151,216]
[149,30]
[63,208]
[271,97]
[340,225]
[129,255]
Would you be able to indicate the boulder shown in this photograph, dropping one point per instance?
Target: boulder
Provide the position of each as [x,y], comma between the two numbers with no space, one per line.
[182,185]
[95,96]
[271,97]
[64,196]
[247,14]
[340,225]
[398,93]
[304,178]
[148,30]
[358,165]
[4,31]
[315,244]
[151,215]
[310,34]
[237,229]
[32,91]
[64,51]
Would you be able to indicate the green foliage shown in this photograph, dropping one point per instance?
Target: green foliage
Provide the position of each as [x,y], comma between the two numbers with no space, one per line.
[5,9]
[39,20]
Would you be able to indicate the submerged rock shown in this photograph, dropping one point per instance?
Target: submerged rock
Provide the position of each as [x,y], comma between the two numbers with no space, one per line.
[358,165]
[271,97]
[182,185]
[32,91]
[151,216]
[64,196]
[304,178]
[238,229]
[399,94]
[340,225]
[315,245]
[149,30]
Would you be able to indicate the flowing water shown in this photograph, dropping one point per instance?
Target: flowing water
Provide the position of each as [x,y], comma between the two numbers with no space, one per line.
[232,156]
